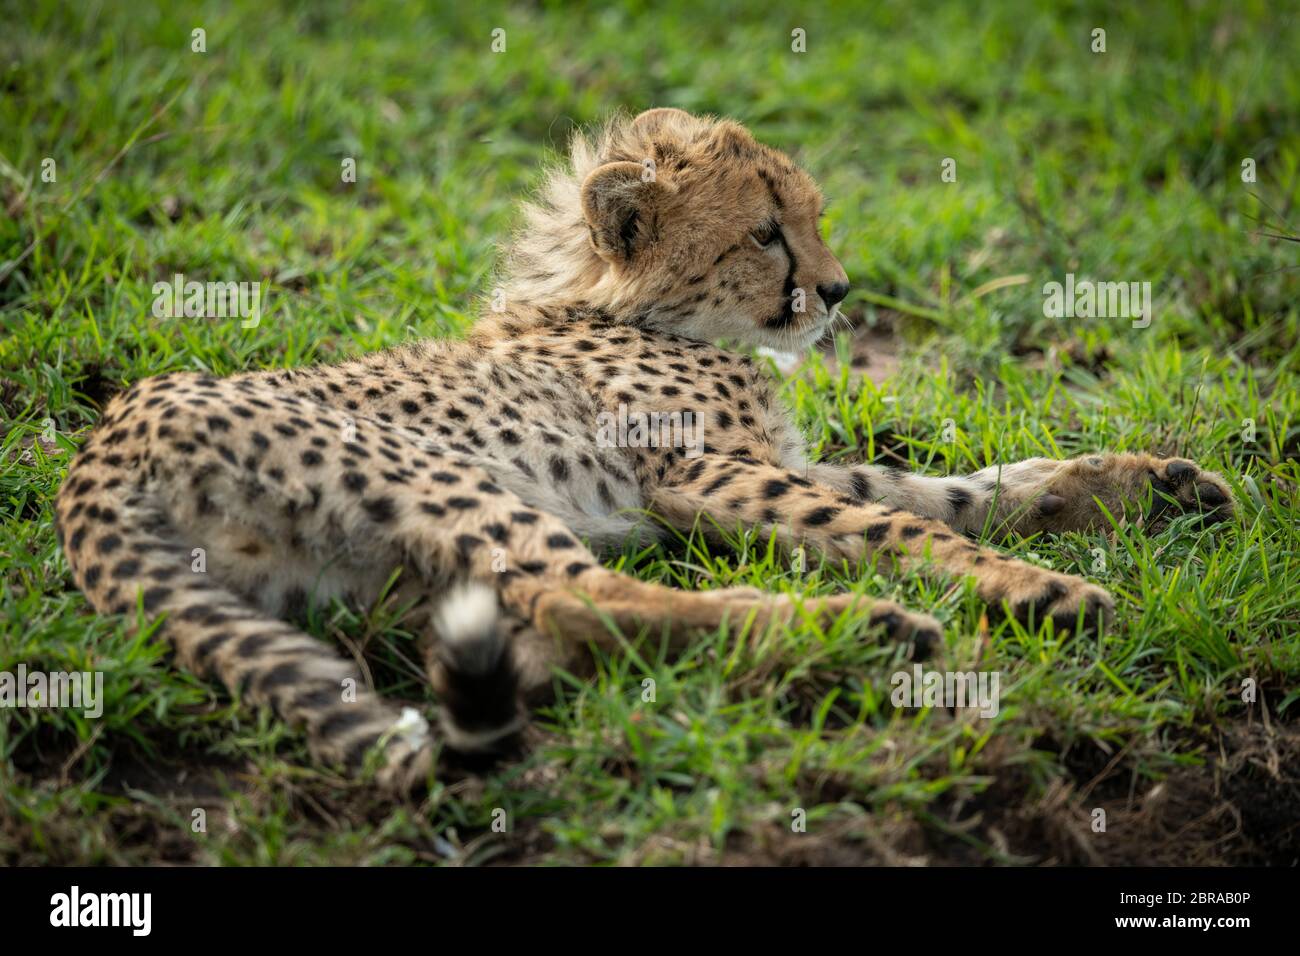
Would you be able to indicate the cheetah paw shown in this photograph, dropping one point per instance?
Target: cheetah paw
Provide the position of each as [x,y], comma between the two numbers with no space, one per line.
[893,622]
[1177,483]
[1073,604]
[1066,498]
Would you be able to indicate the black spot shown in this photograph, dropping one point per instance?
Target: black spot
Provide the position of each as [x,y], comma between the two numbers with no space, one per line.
[717,483]
[154,596]
[925,643]
[342,720]
[204,649]
[203,614]
[380,509]
[890,621]
[1034,608]
[252,645]
[465,543]
[820,516]
[860,486]
[125,569]
[285,674]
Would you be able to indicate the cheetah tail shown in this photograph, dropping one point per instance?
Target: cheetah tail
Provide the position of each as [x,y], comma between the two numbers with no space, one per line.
[474,671]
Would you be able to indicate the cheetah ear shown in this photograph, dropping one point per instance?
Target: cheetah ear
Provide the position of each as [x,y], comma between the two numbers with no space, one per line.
[733,140]
[655,120]
[621,204]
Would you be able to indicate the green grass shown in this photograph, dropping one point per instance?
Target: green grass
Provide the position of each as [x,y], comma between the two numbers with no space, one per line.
[1117,166]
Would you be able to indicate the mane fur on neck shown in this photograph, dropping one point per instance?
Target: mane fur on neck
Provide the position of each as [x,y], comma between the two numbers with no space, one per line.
[550,259]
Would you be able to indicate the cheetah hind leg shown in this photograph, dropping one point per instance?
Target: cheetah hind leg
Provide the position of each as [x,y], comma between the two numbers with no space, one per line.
[490,666]
[264,661]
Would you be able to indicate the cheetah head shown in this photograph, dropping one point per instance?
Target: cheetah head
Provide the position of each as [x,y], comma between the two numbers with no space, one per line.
[688,225]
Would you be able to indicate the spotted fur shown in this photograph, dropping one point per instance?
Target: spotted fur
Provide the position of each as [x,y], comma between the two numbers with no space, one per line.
[475,469]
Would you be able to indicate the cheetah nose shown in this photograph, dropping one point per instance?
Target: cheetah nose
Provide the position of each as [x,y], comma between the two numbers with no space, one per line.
[833,292]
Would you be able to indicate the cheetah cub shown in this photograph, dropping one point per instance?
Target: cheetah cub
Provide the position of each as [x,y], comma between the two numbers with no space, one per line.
[476,467]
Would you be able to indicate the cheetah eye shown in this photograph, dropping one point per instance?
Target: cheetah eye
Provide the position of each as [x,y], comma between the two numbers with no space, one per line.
[766,234]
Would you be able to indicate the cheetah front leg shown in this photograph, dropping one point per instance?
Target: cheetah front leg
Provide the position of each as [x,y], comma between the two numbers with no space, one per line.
[798,510]
[1040,494]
